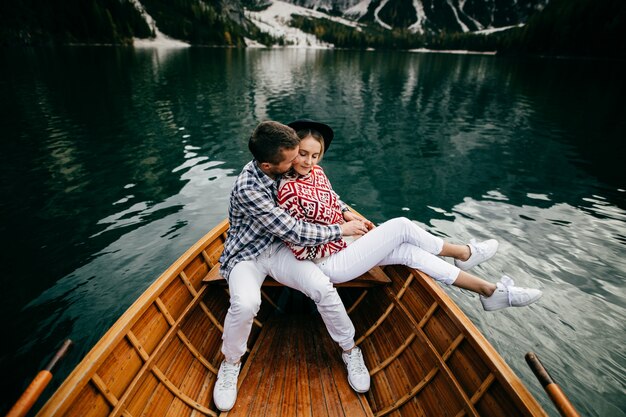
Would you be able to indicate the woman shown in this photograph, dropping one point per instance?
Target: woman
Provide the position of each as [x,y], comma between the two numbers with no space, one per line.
[306,194]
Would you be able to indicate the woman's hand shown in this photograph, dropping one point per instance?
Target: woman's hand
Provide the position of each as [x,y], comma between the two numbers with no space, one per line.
[353,228]
[349,216]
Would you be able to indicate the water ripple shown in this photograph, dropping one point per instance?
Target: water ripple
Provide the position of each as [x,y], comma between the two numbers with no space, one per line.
[573,256]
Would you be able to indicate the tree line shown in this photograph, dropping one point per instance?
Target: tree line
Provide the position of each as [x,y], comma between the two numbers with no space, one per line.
[70,21]
[36,22]
[564,27]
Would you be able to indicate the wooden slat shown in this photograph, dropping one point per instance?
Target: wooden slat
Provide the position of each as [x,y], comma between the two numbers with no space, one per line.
[395,355]
[188,283]
[270,301]
[290,396]
[181,395]
[104,390]
[376,324]
[279,372]
[387,312]
[163,308]
[195,352]
[479,392]
[211,317]
[412,393]
[137,345]
[303,387]
[357,302]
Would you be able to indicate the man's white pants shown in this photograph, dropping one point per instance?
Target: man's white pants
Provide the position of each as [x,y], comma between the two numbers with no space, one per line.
[244,283]
[398,241]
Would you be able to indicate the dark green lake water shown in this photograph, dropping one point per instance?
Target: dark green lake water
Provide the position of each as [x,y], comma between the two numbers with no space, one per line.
[114,161]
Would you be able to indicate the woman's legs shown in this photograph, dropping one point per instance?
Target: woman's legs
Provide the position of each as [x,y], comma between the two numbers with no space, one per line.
[437,268]
[475,284]
[415,257]
[396,241]
[400,241]
[460,252]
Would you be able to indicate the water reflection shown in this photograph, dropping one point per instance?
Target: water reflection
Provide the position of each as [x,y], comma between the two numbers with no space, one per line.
[114,161]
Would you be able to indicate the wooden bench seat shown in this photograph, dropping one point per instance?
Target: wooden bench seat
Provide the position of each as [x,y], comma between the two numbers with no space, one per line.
[293,369]
[371,278]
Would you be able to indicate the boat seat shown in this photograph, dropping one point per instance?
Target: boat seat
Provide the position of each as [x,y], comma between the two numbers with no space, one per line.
[371,278]
[296,369]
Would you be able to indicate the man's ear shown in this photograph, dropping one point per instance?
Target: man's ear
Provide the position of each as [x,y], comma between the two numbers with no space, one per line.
[265,166]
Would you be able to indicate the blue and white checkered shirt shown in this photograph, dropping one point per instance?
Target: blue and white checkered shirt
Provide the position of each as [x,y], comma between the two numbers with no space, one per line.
[256,221]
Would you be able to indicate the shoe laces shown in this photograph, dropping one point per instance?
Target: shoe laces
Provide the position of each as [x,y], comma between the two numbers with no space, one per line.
[477,247]
[356,366]
[508,284]
[227,377]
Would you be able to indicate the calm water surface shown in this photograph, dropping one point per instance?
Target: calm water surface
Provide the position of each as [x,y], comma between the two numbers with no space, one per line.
[114,161]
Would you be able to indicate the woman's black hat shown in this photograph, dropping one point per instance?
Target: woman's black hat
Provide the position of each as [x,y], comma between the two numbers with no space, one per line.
[322,128]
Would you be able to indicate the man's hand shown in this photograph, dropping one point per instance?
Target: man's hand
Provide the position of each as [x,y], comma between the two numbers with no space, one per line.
[353,228]
[349,216]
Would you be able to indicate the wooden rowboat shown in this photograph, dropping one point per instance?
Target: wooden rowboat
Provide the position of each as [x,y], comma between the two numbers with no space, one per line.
[161,357]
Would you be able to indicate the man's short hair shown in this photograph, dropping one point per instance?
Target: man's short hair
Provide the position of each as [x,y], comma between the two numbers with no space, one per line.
[269,139]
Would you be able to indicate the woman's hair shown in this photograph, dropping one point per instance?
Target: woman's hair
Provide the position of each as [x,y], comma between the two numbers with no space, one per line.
[269,139]
[305,133]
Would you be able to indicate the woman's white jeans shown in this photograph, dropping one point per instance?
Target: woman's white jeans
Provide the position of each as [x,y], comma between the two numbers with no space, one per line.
[244,283]
[397,241]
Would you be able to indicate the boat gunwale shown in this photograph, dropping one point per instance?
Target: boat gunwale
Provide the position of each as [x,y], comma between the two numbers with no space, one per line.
[71,387]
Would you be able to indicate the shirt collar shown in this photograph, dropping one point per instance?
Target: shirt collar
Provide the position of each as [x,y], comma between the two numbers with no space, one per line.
[265,179]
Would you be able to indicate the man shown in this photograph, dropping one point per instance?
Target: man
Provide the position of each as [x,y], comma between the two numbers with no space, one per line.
[254,249]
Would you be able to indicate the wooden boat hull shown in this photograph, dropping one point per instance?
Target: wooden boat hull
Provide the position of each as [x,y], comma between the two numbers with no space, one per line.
[161,357]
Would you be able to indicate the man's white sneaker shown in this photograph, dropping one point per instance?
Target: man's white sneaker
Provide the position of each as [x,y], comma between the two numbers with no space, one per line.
[225,390]
[508,295]
[480,252]
[358,375]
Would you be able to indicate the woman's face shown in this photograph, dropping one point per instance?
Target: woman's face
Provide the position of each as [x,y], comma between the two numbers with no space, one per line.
[310,152]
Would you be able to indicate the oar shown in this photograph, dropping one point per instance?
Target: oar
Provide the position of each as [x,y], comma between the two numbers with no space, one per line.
[39,383]
[558,397]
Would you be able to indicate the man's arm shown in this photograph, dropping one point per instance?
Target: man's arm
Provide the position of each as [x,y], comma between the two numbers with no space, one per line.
[281,224]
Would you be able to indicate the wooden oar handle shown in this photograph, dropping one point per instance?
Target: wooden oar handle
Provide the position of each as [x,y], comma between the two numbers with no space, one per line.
[558,397]
[39,383]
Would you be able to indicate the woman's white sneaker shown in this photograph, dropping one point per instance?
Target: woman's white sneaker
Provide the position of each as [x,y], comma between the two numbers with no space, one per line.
[508,295]
[225,390]
[358,375]
[480,252]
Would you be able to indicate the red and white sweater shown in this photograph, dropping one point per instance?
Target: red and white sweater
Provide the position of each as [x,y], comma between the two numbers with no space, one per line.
[311,198]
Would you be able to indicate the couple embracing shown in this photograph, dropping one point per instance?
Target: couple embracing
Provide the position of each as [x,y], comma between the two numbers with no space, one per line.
[287,222]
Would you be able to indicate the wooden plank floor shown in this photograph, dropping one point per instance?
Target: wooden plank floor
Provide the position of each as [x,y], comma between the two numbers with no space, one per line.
[295,369]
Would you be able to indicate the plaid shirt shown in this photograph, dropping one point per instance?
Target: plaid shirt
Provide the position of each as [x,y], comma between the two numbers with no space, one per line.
[256,221]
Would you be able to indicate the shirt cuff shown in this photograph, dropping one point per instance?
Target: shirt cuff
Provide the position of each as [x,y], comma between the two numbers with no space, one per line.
[336,231]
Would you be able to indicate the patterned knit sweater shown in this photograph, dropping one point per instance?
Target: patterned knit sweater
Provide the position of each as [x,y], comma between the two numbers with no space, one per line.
[311,198]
